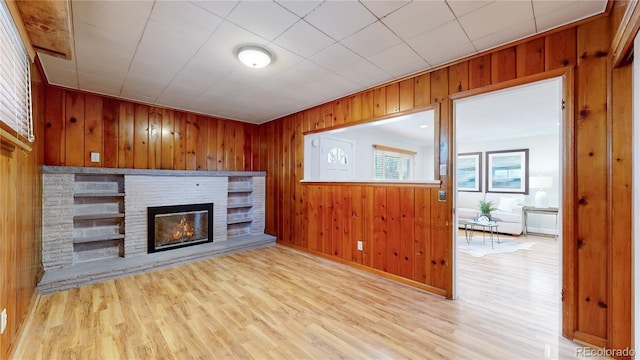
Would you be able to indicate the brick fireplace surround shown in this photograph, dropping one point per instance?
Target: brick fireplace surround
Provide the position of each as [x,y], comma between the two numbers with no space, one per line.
[73,256]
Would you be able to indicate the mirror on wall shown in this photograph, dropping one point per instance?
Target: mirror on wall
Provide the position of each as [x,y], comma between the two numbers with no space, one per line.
[400,148]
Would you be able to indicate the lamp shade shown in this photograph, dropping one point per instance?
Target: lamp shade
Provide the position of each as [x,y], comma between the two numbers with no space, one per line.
[540,182]
[254,56]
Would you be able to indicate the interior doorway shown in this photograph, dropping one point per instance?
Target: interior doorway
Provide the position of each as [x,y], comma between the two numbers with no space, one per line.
[507,152]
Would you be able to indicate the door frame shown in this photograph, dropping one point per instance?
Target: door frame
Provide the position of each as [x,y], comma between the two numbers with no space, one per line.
[567,175]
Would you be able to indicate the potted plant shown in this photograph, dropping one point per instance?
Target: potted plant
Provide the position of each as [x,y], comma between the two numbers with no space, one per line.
[486,207]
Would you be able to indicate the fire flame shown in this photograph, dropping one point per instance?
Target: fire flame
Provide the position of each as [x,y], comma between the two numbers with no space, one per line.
[183,229]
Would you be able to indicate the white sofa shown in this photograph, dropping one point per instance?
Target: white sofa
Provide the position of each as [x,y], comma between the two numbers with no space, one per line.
[509,209]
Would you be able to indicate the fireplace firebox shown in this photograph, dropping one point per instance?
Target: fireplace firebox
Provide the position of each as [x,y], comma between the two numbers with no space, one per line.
[176,226]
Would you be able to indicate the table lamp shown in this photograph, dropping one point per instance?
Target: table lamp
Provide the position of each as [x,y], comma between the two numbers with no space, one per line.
[541,200]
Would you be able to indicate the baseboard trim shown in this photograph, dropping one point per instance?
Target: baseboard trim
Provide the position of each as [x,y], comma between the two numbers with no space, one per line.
[399,279]
[24,327]
[543,231]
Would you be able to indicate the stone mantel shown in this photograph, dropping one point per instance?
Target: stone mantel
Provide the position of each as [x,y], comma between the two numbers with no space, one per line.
[47,169]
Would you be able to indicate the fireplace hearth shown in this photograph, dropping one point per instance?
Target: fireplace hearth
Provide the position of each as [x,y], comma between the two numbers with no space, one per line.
[177,226]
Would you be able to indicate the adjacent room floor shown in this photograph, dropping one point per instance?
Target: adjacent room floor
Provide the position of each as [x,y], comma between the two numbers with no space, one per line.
[279,303]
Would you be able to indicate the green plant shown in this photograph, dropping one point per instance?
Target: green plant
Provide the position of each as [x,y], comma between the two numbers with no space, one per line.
[486,207]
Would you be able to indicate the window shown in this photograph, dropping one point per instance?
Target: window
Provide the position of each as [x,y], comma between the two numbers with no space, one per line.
[392,164]
[337,156]
[15,78]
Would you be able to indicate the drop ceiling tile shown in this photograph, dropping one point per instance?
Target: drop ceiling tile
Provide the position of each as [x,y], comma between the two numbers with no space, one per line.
[96,48]
[221,8]
[156,70]
[516,31]
[264,18]
[399,60]
[370,40]
[335,57]
[463,7]
[59,71]
[342,85]
[109,37]
[303,39]
[187,87]
[219,50]
[224,89]
[340,19]
[196,78]
[298,75]
[331,87]
[299,7]
[147,88]
[550,14]
[186,19]
[131,16]
[165,48]
[174,99]
[382,8]
[443,44]
[98,84]
[364,73]
[494,17]
[418,17]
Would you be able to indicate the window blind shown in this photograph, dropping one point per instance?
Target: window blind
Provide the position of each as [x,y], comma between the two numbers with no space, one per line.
[15,78]
[392,163]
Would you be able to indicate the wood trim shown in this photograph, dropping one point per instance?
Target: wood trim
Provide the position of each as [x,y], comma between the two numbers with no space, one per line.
[25,326]
[567,168]
[622,43]
[389,148]
[590,339]
[619,123]
[434,184]
[14,140]
[512,83]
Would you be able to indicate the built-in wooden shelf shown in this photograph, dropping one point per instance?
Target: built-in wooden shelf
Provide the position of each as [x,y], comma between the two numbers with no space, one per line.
[99,216]
[92,195]
[239,206]
[238,221]
[248,190]
[90,239]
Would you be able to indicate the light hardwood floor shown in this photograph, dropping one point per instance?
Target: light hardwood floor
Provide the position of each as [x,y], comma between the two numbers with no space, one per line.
[283,304]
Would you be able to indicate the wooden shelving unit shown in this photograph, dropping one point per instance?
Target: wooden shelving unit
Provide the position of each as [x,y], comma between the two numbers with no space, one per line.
[98,220]
[239,205]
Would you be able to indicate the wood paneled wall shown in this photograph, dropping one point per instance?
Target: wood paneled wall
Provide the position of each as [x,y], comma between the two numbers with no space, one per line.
[131,135]
[20,225]
[303,215]
[394,222]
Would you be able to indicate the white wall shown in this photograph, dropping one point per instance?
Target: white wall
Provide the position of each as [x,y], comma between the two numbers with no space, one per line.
[363,162]
[544,159]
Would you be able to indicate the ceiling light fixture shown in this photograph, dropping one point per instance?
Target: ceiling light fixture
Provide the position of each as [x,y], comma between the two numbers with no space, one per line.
[424,126]
[254,56]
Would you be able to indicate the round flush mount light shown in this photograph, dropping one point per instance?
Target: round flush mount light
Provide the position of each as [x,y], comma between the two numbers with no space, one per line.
[254,56]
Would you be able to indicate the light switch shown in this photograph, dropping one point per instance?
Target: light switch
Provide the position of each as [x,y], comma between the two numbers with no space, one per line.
[95,157]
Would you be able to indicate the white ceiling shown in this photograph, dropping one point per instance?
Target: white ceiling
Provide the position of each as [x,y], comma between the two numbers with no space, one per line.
[181,54]
[528,110]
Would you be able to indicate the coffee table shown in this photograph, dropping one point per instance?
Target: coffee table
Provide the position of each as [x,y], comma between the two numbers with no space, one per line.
[470,227]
